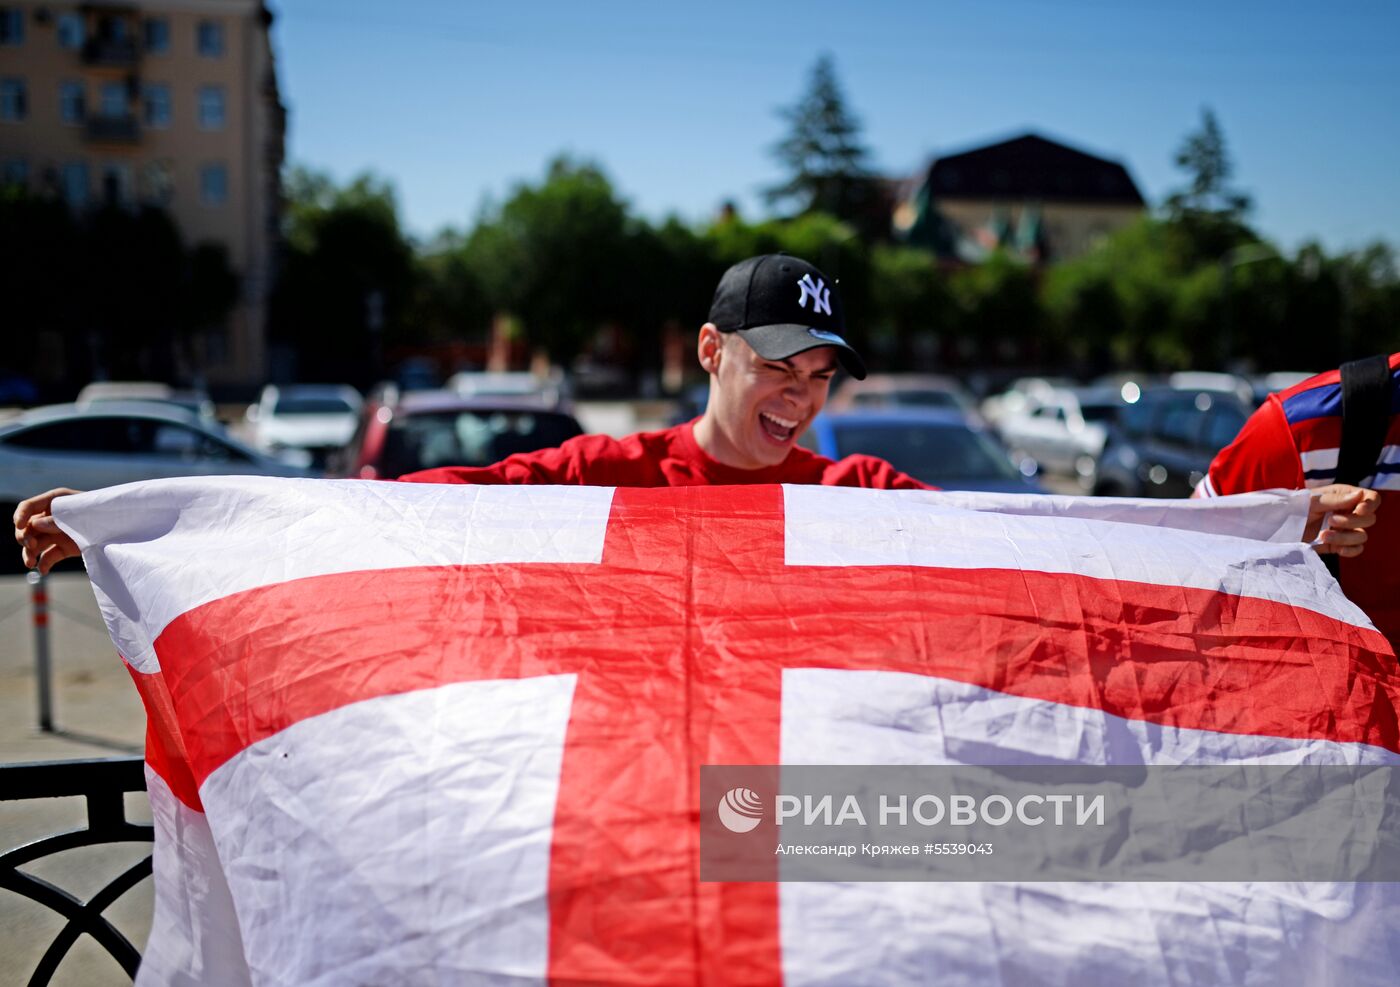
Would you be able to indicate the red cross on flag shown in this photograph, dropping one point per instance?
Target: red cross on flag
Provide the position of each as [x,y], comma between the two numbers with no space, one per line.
[417,734]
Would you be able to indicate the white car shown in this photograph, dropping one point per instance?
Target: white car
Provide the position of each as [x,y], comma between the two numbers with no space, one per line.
[118,442]
[550,392]
[317,418]
[1062,431]
[105,392]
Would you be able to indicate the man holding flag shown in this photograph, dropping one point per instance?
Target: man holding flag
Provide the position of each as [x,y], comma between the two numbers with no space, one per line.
[774,339]
[450,733]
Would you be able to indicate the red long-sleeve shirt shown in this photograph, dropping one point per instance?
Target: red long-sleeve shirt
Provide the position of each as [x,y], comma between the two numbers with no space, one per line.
[668,458]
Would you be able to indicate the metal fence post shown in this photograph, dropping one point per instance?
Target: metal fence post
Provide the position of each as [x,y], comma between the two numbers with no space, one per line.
[43,673]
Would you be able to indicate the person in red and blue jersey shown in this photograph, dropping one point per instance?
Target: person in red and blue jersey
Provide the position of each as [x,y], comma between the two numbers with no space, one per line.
[1292,441]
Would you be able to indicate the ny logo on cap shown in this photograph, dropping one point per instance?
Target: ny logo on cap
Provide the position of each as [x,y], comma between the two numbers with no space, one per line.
[818,292]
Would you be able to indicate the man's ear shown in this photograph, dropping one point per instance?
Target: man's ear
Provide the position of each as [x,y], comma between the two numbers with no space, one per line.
[710,348]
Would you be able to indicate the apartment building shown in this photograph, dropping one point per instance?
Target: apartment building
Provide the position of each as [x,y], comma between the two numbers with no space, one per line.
[165,102]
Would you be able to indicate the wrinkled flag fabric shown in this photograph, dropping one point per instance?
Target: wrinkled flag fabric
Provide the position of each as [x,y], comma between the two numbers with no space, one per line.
[416,734]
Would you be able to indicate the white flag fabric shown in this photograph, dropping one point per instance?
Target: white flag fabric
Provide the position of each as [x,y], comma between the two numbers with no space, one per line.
[420,734]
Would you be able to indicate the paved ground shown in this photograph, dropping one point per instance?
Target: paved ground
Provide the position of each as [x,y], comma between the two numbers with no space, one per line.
[98,714]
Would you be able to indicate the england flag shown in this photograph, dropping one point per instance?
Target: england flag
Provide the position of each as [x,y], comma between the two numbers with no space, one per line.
[418,734]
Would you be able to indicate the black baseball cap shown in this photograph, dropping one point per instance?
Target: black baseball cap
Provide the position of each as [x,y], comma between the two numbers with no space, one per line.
[783,306]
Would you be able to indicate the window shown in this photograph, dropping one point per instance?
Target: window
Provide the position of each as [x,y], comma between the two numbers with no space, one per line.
[112,28]
[415,442]
[157,35]
[112,435]
[116,184]
[113,100]
[209,39]
[211,107]
[11,26]
[71,31]
[14,100]
[156,96]
[1181,423]
[927,451]
[75,183]
[122,435]
[1136,419]
[71,98]
[213,185]
[15,172]
[1222,426]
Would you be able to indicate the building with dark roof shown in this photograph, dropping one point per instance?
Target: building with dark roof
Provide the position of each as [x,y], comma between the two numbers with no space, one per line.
[1029,196]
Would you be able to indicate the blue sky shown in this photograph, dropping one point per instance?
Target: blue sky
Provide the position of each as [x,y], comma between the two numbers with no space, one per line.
[457,101]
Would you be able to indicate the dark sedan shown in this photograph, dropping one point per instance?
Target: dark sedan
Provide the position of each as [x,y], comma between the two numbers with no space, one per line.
[1162,444]
[938,447]
[426,429]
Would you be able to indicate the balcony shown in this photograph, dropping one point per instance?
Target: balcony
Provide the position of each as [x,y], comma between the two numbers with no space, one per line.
[114,130]
[122,53]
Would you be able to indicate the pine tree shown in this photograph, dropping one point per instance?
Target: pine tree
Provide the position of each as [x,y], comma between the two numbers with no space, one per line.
[1203,156]
[822,153]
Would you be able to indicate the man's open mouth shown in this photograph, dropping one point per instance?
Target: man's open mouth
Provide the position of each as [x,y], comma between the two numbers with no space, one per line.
[778,429]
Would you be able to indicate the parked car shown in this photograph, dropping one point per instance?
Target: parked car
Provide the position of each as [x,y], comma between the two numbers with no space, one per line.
[1020,397]
[691,403]
[546,392]
[939,447]
[106,392]
[317,418]
[115,442]
[425,429]
[1272,383]
[903,391]
[1162,445]
[1207,380]
[1063,430]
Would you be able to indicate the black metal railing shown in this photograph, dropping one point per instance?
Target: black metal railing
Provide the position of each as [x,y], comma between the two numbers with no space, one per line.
[118,52]
[104,783]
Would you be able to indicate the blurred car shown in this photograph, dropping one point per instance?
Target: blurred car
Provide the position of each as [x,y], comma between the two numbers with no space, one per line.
[426,429]
[545,392]
[1206,380]
[1062,431]
[1128,383]
[1162,445]
[691,403]
[939,447]
[106,392]
[1024,394]
[417,373]
[317,418]
[1272,383]
[118,442]
[903,391]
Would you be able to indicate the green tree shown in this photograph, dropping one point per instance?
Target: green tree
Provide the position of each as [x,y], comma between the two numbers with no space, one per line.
[549,256]
[1206,161]
[825,161]
[347,278]
[1368,283]
[1145,298]
[910,301]
[40,268]
[448,302]
[1000,312]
